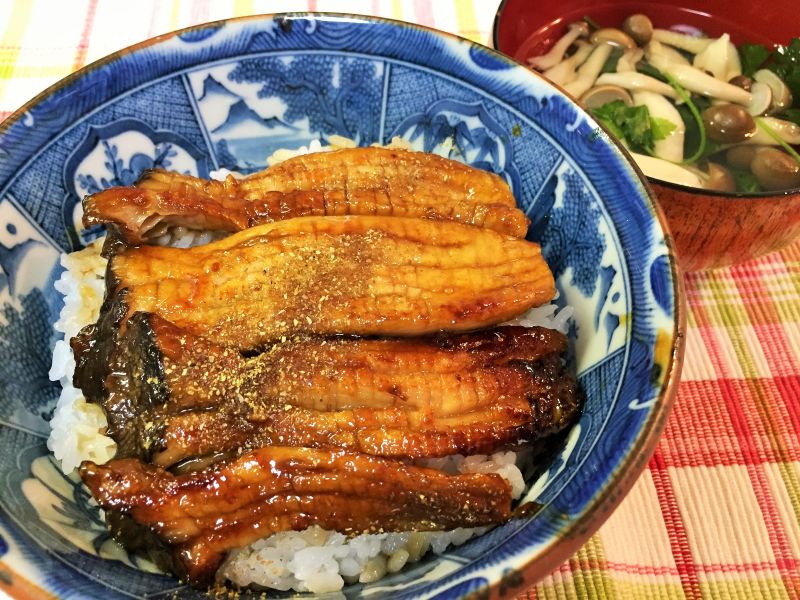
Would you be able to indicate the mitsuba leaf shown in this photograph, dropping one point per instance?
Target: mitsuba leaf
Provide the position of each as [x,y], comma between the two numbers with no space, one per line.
[633,124]
[752,56]
[661,128]
[786,65]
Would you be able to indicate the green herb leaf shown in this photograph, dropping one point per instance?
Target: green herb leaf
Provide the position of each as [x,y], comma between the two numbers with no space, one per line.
[752,56]
[786,65]
[746,182]
[633,124]
[661,128]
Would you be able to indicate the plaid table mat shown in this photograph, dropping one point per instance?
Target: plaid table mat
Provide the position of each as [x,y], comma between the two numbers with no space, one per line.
[717,512]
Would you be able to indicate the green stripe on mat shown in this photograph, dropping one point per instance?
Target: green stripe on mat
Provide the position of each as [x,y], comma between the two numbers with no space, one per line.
[744,589]
[589,577]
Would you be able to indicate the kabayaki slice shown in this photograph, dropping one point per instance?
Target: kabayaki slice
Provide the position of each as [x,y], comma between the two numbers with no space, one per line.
[171,396]
[198,517]
[354,181]
[336,275]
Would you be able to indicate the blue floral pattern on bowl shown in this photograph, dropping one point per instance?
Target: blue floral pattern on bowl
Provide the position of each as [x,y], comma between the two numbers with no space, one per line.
[228,95]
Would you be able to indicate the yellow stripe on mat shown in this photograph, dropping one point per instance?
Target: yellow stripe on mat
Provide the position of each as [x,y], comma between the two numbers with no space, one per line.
[12,37]
[467,21]
[242,7]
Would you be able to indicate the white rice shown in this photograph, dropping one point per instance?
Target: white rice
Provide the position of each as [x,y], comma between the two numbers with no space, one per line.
[312,560]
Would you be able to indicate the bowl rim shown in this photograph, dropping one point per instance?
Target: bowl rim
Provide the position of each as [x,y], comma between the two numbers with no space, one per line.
[627,471]
[498,16]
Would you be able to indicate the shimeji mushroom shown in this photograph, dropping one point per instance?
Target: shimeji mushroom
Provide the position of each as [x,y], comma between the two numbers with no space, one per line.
[728,123]
[656,48]
[679,40]
[666,171]
[781,95]
[627,62]
[788,132]
[718,59]
[740,156]
[631,80]
[719,179]
[599,95]
[699,82]
[564,72]
[588,71]
[639,27]
[761,98]
[742,81]
[671,147]
[775,169]
[615,37]
[556,53]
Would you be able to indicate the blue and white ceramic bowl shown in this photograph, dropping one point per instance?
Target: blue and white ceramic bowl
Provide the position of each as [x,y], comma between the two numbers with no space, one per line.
[226,95]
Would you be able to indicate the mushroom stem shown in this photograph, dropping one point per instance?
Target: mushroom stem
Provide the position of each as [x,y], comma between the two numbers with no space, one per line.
[696,81]
[786,131]
[666,171]
[588,72]
[680,40]
[656,48]
[627,62]
[671,147]
[715,58]
[556,53]
[637,81]
[564,72]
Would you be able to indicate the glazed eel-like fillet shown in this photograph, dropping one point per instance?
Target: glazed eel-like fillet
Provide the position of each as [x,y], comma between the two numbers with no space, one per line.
[188,522]
[360,275]
[354,181]
[175,398]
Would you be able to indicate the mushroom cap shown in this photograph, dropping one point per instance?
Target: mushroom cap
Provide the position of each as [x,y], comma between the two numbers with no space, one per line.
[781,94]
[612,36]
[728,123]
[761,99]
[639,27]
[742,81]
[775,169]
[719,179]
[741,156]
[599,95]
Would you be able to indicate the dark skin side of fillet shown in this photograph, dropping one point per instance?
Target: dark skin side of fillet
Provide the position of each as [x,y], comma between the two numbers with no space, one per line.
[178,399]
[188,522]
[357,181]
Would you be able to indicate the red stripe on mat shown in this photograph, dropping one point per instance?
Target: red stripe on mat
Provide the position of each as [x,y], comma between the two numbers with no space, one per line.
[766,321]
[631,569]
[695,434]
[778,537]
[789,390]
[676,530]
[83,45]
